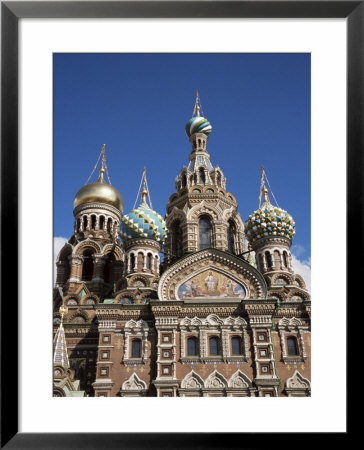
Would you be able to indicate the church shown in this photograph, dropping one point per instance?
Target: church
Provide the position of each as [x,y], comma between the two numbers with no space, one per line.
[199,303]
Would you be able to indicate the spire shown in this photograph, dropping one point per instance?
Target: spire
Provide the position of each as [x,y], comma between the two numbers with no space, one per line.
[103,165]
[264,190]
[60,357]
[197,107]
[144,193]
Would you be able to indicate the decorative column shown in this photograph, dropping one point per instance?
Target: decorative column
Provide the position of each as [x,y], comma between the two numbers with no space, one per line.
[260,321]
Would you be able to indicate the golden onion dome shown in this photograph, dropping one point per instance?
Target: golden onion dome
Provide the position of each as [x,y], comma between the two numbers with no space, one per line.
[99,193]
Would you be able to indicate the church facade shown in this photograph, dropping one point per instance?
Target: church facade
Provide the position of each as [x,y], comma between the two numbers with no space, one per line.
[223,314]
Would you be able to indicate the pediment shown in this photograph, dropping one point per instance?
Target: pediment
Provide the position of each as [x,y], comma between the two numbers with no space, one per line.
[210,275]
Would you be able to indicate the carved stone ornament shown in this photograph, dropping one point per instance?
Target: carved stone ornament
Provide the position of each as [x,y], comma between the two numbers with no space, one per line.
[215,381]
[192,381]
[298,385]
[134,383]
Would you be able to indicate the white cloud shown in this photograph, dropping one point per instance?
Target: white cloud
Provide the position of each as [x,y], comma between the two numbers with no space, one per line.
[302,268]
[58,243]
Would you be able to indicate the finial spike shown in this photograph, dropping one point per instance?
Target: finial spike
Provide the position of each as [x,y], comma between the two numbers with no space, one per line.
[197,107]
[103,164]
[144,192]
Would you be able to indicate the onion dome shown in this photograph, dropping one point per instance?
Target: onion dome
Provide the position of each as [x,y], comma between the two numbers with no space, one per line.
[99,192]
[197,124]
[269,220]
[143,222]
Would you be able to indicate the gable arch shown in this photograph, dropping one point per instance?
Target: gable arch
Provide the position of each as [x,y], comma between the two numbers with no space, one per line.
[228,265]
[112,248]
[175,214]
[134,383]
[85,245]
[240,380]
[215,381]
[65,251]
[192,381]
[203,209]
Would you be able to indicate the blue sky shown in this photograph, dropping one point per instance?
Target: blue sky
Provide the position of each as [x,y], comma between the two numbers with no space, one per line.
[138,104]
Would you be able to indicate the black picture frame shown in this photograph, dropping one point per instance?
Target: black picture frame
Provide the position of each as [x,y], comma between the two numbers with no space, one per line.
[11,12]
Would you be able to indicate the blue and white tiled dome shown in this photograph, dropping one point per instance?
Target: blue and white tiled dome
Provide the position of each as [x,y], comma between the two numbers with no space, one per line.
[143,222]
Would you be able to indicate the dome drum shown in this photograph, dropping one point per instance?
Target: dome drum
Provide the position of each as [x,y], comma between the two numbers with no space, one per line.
[98,219]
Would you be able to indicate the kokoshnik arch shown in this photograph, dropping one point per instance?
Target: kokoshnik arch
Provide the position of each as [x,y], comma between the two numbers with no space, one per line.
[223,314]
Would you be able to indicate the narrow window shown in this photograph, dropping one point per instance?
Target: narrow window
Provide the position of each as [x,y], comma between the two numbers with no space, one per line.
[202,176]
[214,346]
[285,259]
[236,345]
[204,232]
[93,221]
[149,261]
[192,346]
[102,222]
[136,348]
[231,236]
[292,346]
[132,261]
[269,259]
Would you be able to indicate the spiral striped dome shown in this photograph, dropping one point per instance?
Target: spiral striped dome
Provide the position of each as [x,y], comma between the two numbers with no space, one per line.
[143,222]
[198,124]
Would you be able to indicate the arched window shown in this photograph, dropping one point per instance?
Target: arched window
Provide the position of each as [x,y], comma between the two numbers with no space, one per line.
[88,265]
[268,257]
[78,225]
[132,261]
[202,176]
[93,221]
[236,345]
[177,244]
[184,180]
[102,222]
[84,222]
[136,347]
[231,236]
[214,346]
[192,346]
[149,261]
[285,259]
[204,227]
[292,346]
